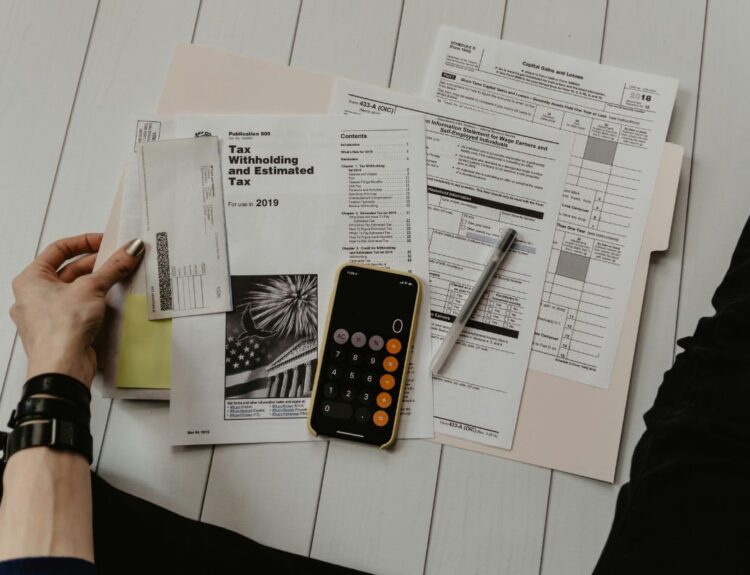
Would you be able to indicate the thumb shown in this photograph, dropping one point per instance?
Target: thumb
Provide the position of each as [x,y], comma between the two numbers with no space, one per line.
[119,266]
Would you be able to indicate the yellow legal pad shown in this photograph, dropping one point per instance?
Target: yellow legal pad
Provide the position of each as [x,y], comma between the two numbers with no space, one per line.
[145,359]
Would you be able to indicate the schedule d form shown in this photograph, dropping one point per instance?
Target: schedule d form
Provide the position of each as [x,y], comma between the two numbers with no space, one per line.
[619,120]
[483,175]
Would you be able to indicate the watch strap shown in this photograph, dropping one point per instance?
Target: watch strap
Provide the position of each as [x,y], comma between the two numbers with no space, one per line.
[31,408]
[54,433]
[58,385]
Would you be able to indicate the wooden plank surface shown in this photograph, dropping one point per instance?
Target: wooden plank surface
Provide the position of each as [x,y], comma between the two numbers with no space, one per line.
[130,49]
[420,22]
[137,458]
[266,492]
[351,38]
[256,28]
[653,37]
[376,509]
[357,39]
[491,514]
[719,198]
[375,506]
[42,50]
[572,27]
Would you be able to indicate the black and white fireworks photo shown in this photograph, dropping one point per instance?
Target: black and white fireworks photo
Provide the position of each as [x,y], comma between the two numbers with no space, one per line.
[271,337]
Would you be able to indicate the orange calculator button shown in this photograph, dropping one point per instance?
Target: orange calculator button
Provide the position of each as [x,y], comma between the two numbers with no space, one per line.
[380,418]
[387,381]
[393,346]
[390,363]
[384,399]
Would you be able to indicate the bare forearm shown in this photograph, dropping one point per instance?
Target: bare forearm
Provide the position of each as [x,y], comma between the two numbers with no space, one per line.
[46,507]
[59,306]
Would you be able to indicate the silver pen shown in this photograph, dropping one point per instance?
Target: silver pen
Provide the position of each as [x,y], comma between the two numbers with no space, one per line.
[501,249]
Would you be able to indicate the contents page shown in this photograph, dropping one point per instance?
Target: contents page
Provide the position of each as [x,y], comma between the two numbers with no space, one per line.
[483,175]
[303,194]
[619,121]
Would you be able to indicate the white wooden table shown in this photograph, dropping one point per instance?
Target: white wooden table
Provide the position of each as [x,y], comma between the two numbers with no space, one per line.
[72,72]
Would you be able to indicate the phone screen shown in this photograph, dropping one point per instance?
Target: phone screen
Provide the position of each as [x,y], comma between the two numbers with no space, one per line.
[363,369]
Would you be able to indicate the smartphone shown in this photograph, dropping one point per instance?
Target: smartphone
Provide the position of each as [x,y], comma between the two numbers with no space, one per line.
[361,376]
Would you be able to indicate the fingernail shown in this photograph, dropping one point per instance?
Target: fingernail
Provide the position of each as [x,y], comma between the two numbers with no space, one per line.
[135,247]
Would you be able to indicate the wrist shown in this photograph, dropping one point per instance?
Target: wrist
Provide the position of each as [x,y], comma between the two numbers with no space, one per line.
[55,363]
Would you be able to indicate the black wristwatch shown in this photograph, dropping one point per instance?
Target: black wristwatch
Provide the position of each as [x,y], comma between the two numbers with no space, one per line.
[54,433]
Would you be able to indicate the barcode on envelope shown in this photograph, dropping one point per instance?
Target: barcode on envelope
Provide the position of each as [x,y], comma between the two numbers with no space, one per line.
[162,262]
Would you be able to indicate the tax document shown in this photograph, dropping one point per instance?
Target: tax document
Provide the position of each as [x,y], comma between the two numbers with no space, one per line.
[484,174]
[303,195]
[619,120]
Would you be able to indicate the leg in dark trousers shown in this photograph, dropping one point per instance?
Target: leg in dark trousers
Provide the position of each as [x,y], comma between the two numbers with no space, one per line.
[687,506]
[133,536]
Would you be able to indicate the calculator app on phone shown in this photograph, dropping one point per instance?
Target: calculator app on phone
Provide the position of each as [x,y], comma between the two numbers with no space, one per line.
[366,348]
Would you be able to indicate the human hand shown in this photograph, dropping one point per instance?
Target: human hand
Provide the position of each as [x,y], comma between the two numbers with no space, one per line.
[58,308]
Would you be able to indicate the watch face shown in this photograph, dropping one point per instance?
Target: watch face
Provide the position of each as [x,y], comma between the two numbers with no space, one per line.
[364,355]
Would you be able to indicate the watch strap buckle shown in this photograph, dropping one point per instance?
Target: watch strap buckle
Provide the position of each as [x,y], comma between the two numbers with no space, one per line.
[53,437]
[53,433]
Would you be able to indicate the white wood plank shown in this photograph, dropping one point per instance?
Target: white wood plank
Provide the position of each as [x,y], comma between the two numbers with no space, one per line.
[352,38]
[578,521]
[659,38]
[128,56]
[130,51]
[267,492]
[519,491]
[42,48]
[375,506]
[136,45]
[660,25]
[257,28]
[137,458]
[420,22]
[572,27]
[719,198]
[489,515]
[518,551]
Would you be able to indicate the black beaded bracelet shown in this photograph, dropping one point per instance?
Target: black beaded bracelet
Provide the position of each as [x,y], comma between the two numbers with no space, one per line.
[32,408]
[58,385]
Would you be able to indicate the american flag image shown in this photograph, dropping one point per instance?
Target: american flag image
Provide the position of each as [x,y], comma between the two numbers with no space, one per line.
[271,314]
[243,354]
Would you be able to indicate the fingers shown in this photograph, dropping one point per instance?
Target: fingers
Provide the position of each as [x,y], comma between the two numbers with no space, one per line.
[77,268]
[57,253]
[120,265]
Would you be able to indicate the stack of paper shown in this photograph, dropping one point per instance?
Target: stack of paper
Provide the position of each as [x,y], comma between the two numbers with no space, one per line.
[564,151]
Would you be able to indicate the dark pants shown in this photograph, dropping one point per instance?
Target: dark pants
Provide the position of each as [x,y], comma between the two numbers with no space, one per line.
[132,536]
[687,506]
